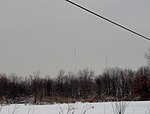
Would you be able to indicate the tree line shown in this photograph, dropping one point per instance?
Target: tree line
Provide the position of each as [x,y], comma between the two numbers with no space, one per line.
[112,84]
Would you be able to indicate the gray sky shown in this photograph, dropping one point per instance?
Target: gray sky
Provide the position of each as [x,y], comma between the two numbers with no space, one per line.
[40,35]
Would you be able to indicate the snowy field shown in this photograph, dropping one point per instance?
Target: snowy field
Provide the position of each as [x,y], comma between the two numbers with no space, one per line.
[78,108]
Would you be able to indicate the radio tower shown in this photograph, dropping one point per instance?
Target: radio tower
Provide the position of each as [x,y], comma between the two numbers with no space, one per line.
[75,61]
[106,64]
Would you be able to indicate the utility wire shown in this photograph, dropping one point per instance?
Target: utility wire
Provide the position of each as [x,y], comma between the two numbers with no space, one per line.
[106,19]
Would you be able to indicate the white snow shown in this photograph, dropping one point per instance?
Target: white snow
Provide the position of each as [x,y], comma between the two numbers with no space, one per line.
[138,107]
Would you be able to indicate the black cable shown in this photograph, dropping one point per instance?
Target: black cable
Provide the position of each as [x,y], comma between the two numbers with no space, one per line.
[106,19]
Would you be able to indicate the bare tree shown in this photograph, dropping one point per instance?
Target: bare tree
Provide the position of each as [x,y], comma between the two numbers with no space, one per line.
[37,86]
[147,55]
[143,80]
[99,85]
[86,82]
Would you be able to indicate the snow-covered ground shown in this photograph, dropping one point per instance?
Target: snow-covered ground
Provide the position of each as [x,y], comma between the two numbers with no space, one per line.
[139,107]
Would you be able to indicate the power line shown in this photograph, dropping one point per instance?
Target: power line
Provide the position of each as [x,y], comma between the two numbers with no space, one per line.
[106,19]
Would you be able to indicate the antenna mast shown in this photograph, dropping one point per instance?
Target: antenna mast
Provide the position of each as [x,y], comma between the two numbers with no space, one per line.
[106,64]
[75,59]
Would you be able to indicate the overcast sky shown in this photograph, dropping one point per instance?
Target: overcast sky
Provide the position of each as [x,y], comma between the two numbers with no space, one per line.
[40,35]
